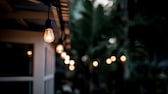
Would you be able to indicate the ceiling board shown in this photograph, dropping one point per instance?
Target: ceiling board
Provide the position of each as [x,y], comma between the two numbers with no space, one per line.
[30,12]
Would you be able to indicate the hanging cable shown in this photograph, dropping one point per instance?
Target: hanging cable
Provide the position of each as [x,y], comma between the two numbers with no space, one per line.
[49,31]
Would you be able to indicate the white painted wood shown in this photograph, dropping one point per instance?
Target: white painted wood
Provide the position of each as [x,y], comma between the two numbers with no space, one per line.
[16,78]
[39,78]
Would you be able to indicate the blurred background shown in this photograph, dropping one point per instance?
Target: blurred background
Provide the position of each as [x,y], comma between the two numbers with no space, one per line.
[108,47]
[119,46]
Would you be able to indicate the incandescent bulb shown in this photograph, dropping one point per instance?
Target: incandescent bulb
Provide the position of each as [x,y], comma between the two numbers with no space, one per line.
[59,48]
[49,35]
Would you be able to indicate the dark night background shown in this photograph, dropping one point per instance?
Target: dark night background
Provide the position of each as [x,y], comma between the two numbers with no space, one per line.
[148,65]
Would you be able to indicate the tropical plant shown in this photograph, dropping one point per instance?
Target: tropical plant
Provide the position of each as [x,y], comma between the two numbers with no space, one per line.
[91,28]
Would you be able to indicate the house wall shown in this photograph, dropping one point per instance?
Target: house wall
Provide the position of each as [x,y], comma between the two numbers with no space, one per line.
[43,61]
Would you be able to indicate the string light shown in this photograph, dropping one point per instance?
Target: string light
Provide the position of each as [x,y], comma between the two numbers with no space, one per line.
[95,63]
[29,53]
[123,58]
[71,67]
[49,32]
[113,58]
[108,61]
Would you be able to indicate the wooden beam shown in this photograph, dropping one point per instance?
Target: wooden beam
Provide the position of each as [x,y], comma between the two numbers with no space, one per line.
[65,12]
[22,22]
[29,15]
[63,1]
[8,8]
[66,19]
[23,14]
[64,9]
[65,15]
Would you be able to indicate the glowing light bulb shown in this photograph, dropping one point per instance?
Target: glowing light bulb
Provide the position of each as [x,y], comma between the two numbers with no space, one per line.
[113,58]
[49,35]
[59,48]
[66,61]
[67,57]
[108,61]
[95,63]
[29,53]
[71,67]
[123,58]
[71,62]
[63,55]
